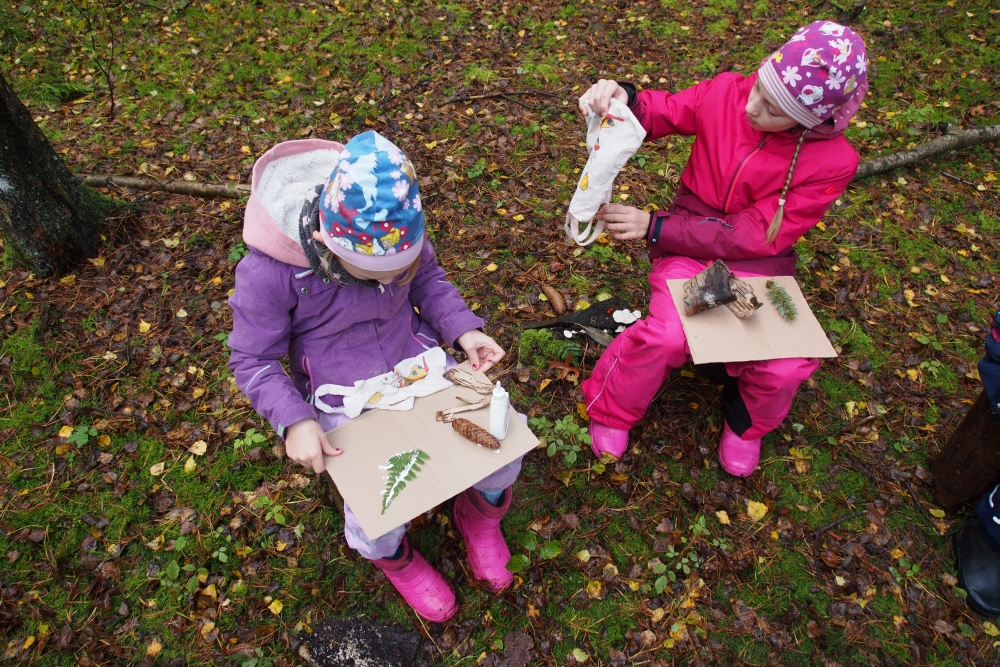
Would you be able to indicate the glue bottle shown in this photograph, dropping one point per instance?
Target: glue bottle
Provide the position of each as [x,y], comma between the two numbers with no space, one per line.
[499,412]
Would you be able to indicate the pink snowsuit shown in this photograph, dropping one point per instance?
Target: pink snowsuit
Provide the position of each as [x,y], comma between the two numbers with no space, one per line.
[728,194]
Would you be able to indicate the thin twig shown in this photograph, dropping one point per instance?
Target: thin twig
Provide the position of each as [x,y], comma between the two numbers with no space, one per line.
[467,98]
[855,426]
[956,178]
[833,524]
[150,5]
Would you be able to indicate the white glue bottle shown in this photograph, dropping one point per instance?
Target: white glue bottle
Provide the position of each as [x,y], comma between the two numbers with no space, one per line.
[499,412]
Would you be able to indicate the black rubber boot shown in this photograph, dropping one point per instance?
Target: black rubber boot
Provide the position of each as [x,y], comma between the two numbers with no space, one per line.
[978,563]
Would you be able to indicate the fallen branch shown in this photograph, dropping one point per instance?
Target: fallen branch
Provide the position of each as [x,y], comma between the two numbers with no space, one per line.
[193,188]
[448,414]
[952,140]
[469,98]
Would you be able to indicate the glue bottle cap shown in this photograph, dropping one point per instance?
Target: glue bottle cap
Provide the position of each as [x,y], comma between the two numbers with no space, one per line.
[498,391]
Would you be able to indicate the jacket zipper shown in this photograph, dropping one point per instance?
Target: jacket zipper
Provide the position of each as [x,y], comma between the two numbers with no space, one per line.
[739,170]
[721,222]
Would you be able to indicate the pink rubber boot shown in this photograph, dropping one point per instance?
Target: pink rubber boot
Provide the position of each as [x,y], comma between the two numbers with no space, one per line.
[479,524]
[605,439]
[738,456]
[420,584]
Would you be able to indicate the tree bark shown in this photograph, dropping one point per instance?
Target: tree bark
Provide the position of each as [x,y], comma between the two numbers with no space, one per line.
[953,140]
[970,462]
[49,221]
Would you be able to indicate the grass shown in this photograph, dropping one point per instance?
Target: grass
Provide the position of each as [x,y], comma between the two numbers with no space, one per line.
[194,87]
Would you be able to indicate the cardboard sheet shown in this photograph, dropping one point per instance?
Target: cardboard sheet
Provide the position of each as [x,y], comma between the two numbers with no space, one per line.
[453,464]
[717,335]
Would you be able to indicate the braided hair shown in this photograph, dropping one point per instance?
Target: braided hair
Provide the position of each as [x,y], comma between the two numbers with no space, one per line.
[775,227]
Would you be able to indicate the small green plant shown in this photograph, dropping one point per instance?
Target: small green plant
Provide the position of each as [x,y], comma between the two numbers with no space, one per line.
[82,435]
[932,341]
[932,366]
[256,659]
[57,93]
[562,436]
[476,170]
[238,251]
[529,541]
[272,510]
[249,439]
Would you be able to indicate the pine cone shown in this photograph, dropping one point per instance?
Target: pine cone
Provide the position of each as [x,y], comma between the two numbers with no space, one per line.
[476,434]
[555,298]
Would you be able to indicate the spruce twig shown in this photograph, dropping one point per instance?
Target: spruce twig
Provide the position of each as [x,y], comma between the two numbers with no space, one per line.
[782,301]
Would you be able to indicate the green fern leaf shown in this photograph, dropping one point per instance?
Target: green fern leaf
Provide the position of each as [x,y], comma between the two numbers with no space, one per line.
[401,468]
[782,301]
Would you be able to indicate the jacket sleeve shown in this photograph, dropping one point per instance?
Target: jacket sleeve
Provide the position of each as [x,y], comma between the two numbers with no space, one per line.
[438,301]
[260,340]
[742,235]
[661,113]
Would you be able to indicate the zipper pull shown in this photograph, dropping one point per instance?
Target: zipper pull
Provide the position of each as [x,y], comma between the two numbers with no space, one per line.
[381,288]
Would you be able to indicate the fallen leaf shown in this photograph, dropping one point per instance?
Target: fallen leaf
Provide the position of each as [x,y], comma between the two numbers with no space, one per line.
[182,313]
[153,648]
[756,510]
[144,326]
[65,431]
[492,267]
[583,555]
[723,517]
[190,465]
[276,607]
[157,469]
[580,655]
[543,384]
[198,448]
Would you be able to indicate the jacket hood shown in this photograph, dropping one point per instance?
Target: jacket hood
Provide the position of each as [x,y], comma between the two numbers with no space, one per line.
[279,183]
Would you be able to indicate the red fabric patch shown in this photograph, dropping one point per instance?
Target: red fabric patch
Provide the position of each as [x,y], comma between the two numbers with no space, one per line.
[830,190]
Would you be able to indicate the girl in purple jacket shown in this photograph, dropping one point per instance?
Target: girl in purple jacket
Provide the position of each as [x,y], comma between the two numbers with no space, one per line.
[769,157]
[357,291]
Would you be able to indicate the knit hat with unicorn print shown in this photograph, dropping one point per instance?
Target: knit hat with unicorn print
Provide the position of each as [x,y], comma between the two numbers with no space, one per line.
[370,213]
[819,75]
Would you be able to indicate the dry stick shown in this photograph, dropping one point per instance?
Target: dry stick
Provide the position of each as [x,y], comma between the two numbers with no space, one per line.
[196,189]
[833,524]
[468,98]
[953,139]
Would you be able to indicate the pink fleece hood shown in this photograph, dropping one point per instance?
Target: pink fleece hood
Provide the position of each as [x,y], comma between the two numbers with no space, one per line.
[279,238]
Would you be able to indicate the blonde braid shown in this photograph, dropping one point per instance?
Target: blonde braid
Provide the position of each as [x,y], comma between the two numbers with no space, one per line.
[772,231]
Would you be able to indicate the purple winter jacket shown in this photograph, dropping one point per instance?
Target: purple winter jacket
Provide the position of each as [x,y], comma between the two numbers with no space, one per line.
[330,333]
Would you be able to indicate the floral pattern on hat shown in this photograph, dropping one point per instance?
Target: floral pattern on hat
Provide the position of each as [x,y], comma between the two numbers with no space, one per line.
[817,72]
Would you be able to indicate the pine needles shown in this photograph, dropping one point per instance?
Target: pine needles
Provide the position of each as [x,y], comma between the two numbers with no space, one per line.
[782,301]
[402,468]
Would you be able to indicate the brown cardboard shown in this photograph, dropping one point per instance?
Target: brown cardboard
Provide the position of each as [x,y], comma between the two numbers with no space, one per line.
[717,335]
[453,465]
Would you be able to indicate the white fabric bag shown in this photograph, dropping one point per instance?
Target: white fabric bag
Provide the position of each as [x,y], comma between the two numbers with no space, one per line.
[422,375]
[611,140]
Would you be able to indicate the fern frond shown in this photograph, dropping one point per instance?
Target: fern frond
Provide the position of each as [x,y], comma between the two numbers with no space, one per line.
[402,468]
[782,301]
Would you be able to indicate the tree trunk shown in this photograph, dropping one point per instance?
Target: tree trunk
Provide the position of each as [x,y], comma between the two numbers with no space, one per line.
[970,462]
[49,221]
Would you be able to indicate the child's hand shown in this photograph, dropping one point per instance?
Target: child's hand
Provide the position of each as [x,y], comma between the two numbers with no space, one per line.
[483,351]
[306,443]
[598,98]
[626,223]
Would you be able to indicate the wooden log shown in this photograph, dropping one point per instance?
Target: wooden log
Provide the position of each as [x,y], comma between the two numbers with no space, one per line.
[952,140]
[195,188]
[746,303]
[970,463]
[710,288]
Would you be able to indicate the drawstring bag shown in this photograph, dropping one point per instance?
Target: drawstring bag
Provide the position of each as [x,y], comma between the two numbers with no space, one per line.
[611,140]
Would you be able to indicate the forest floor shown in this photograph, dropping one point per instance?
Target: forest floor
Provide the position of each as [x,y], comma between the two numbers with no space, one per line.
[147,515]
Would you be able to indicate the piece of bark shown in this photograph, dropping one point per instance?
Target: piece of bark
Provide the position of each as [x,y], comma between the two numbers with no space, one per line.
[476,434]
[710,288]
[970,463]
[460,377]
[746,303]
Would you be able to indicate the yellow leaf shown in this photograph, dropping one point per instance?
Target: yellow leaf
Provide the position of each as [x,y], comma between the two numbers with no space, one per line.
[686,373]
[197,393]
[144,326]
[286,79]
[431,146]
[582,305]
[281,545]
[171,243]
[65,431]
[913,374]
[210,591]
[756,510]
[198,448]
[68,280]
[492,267]
[245,149]
[990,629]
[97,261]
[104,440]
[207,628]
[723,517]
[182,313]
[583,555]
[276,607]
[190,466]
[157,469]
[28,643]
[581,409]
[518,217]
[61,449]
[897,554]
[545,383]
[474,307]
[153,648]
[909,295]
[939,513]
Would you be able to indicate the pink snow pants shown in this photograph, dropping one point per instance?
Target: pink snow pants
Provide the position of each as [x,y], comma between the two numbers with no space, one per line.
[636,364]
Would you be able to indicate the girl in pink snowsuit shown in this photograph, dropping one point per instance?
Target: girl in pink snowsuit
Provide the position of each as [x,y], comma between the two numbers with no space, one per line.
[768,159]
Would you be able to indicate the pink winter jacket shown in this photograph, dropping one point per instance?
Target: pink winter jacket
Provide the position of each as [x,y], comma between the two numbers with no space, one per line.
[730,187]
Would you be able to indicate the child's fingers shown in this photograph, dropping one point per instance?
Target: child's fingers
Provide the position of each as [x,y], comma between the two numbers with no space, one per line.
[317,464]
[473,358]
[328,449]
